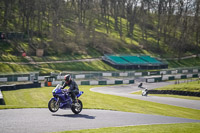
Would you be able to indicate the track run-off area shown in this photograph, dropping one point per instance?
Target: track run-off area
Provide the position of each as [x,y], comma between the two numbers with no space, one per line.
[40,120]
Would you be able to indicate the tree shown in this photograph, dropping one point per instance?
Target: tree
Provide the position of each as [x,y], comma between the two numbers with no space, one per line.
[131,15]
[196,24]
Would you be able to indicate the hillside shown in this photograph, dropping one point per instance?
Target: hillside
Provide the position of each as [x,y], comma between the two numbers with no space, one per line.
[68,29]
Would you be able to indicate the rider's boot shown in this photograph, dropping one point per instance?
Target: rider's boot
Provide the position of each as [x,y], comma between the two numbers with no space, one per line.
[75,101]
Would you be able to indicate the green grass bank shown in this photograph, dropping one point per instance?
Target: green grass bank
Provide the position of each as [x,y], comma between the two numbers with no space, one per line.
[39,97]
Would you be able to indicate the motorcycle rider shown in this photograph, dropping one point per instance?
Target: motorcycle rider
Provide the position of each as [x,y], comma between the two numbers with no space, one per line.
[73,87]
[145,91]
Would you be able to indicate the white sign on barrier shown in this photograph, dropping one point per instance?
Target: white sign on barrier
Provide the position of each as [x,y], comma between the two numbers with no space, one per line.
[138,74]
[195,70]
[93,82]
[125,81]
[148,73]
[107,74]
[184,71]
[177,76]
[3,79]
[22,79]
[54,83]
[163,72]
[123,74]
[165,78]
[189,75]
[150,80]
[41,77]
[110,82]
[79,76]
[174,72]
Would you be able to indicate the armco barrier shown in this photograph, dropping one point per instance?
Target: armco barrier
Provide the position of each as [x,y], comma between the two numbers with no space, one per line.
[19,77]
[169,77]
[100,82]
[173,92]
[99,75]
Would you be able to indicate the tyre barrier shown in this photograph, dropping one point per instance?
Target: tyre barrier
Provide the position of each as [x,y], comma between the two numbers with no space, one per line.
[16,87]
[19,86]
[2,102]
[173,92]
[1,99]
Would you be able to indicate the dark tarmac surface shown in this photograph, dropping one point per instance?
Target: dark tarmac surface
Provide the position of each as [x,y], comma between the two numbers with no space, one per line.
[41,120]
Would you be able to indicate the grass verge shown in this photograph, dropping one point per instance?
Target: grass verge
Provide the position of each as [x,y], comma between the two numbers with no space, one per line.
[184,62]
[160,128]
[189,86]
[39,97]
[74,66]
[56,67]
[168,95]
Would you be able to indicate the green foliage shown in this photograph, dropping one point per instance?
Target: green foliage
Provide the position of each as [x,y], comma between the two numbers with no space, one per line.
[28,98]
[12,58]
[65,57]
[47,68]
[15,68]
[163,128]
[184,62]
[5,47]
[188,86]
[73,29]
[79,66]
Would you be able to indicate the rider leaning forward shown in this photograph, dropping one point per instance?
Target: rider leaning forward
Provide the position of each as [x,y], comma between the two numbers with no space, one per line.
[73,87]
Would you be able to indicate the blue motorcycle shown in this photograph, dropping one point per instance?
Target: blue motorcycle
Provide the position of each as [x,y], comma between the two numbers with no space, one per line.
[63,100]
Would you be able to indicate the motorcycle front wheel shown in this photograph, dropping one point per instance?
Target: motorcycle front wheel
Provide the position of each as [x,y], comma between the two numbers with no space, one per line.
[77,107]
[53,105]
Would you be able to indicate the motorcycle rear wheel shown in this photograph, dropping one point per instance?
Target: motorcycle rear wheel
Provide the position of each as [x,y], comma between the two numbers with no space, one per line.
[53,105]
[77,108]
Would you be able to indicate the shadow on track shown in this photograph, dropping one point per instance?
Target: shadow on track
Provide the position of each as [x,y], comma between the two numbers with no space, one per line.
[75,116]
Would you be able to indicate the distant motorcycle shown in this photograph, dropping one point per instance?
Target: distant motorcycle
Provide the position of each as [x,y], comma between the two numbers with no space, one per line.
[145,91]
[63,100]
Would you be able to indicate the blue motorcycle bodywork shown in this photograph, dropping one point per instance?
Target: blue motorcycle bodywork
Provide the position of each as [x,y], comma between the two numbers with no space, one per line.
[64,98]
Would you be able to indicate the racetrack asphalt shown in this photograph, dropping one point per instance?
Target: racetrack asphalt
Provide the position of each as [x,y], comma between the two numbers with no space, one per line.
[42,120]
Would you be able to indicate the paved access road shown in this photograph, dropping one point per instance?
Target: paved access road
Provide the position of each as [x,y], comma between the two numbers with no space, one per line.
[125,90]
[41,120]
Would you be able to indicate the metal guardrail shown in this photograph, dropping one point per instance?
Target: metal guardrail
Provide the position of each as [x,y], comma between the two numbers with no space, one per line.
[125,74]
[19,77]
[102,75]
